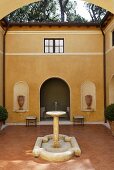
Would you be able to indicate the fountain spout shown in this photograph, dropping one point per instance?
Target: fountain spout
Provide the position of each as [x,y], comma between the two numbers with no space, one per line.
[55,105]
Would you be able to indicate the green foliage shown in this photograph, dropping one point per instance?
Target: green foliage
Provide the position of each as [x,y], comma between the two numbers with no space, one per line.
[109,114]
[46,11]
[96,12]
[3,114]
[71,15]
[55,11]
[40,11]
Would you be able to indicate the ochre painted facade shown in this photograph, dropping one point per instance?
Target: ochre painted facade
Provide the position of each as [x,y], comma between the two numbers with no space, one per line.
[109,56]
[81,61]
[1,65]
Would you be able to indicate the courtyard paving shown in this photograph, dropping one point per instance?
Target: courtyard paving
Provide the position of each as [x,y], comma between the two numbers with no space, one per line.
[96,143]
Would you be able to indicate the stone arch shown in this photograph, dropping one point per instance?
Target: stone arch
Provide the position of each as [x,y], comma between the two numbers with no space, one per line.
[54,95]
[111,90]
[7,6]
[21,88]
[13,5]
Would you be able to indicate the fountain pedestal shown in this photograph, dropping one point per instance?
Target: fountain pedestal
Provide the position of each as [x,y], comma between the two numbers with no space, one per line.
[56,132]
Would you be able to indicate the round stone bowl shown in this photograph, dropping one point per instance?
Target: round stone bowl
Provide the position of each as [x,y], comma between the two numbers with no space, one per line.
[55,113]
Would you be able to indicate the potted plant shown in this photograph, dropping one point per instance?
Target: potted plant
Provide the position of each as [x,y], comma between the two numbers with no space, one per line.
[3,115]
[109,114]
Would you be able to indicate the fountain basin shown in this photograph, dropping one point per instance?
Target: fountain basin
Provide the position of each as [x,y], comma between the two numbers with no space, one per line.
[55,113]
[68,147]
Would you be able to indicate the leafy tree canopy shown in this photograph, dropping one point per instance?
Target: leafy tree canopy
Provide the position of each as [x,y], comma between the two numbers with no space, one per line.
[46,11]
[54,11]
[96,12]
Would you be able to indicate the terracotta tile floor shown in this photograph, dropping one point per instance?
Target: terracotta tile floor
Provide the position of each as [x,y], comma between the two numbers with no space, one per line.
[96,143]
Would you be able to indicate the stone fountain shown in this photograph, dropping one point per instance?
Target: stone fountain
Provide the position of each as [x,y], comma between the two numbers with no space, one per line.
[56,147]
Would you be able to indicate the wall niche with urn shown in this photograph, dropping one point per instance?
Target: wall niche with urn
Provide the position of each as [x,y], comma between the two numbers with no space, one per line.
[21,97]
[88,96]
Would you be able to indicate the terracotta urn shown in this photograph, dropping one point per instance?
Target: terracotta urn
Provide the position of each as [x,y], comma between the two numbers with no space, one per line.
[88,100]
[21,100]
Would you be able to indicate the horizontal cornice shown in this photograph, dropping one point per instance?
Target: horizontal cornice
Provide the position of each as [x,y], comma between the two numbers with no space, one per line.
[55,32]
[55,54]
[60,24]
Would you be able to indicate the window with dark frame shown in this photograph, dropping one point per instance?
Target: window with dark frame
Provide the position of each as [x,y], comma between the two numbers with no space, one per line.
[112,38]
[54,45]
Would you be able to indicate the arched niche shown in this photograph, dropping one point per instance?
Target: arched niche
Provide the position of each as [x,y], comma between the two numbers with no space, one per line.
[111,90]
[88,96]
[54,95]
[21,89]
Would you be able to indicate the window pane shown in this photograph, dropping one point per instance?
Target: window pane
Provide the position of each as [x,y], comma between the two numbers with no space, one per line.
[50,42]
[54,45]
[46,42]
[46,50]
[57,49]
[51,49]
[57,42]
[61,49]
[61,42]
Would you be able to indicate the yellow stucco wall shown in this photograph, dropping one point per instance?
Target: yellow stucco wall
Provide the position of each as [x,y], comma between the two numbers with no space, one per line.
[1,66]
[109,55]
[82,61]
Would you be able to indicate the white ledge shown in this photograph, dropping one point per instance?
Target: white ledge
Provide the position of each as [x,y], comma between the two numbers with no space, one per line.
[20,111]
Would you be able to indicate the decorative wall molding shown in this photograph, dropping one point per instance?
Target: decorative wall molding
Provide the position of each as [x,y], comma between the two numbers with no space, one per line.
[55,32]
[51,54]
